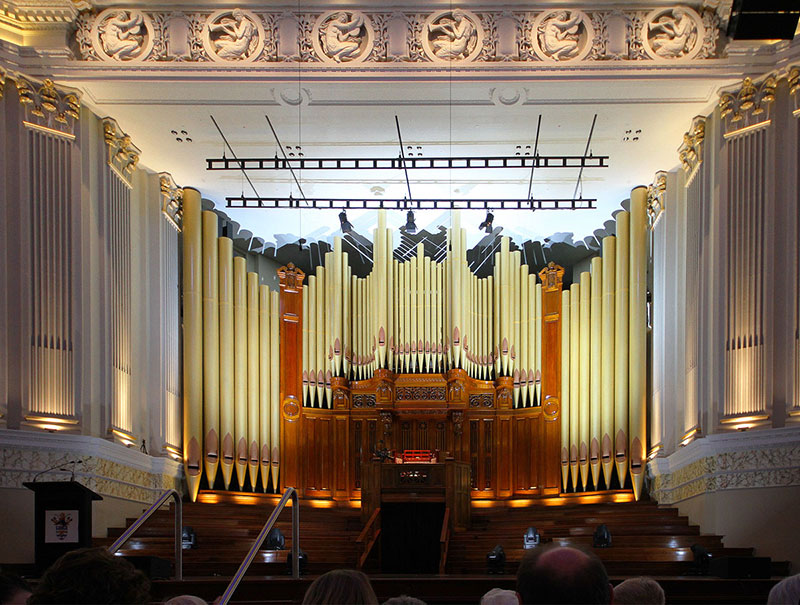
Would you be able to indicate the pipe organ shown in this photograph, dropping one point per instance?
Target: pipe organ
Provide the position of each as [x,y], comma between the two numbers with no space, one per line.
[301,389]
[604,339]
[230,361]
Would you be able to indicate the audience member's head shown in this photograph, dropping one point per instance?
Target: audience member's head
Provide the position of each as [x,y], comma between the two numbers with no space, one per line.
[92,575]
[13,590]
[341,586]
[404,599]
[186,599]
[498,596]
[562,575]
[639,591]
[785,591]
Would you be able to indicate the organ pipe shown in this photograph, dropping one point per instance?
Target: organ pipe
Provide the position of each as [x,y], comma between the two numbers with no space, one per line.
[621,358]
[274,393]
[638,338]
[226,391]
[265,379]
[607,356]
[211,386]
[565,393]
[253,424]
[584,376]
[192,339]
[240,367]
[595,396]
[574,380]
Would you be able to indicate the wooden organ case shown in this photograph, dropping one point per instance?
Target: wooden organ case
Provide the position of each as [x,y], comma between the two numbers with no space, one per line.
[511,451]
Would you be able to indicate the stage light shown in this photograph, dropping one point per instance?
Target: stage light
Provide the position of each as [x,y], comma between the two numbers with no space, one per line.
[410,227]
[531,538]
[303,561]
[275,540]
[701,562]
[486,225]
[496,560]
[601,537]
[188,538]
[347,226]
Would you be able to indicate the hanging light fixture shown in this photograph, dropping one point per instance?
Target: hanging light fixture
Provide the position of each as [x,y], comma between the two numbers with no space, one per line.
[410,227]
[486,225]
[346,225]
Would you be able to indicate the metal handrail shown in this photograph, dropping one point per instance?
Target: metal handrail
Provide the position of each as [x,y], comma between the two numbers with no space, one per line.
[371,530]
[170,493]
[237,577]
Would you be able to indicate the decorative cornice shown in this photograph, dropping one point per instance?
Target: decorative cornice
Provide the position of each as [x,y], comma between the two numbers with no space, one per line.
[27,14]
[793,77]
[656,193]
[342,37]
[755,459]
[747,108]
[690,152]
[123,155]
[106,467]
[49,108]
[171,200]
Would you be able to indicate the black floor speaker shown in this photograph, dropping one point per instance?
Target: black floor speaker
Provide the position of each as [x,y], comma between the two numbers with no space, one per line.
[741,567]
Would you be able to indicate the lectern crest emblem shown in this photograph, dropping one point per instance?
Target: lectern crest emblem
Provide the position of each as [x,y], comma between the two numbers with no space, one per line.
[61,524]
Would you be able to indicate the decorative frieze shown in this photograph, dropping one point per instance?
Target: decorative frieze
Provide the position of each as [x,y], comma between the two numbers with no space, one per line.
[747,108]
[655,198]
[48,108]
[339,37]
[690,152]
[171,200]
[123,155]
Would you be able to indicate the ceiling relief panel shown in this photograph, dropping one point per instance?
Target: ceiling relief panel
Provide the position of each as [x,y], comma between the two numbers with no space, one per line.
[340,37]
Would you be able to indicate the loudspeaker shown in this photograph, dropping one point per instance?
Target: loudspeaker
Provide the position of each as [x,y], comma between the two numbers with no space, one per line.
[741,567]
[763,19]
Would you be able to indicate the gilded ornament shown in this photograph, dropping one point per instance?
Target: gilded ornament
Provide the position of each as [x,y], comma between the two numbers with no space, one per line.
[748,107]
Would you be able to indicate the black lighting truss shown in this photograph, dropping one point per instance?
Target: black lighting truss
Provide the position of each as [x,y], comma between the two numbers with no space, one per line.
[397,163]
[405,204]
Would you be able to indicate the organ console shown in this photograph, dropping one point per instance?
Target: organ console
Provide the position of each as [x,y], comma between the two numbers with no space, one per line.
[537,390]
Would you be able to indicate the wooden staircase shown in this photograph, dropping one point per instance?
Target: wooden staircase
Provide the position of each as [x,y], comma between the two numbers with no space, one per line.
[646,540]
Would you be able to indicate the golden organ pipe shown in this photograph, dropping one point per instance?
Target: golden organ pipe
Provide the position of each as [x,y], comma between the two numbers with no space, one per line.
[210,346]
[240,366]
[420,305]
[565,400]
[427,291]
[329,319]
[505,301]
[347,306]
[607,370]
[253,424]
[306,336]
[538,338]
[637,339]
[516,259]
[274,407]
[524,340]
[322,350]
[622,310]
[226,391]
[457,325]
[381,282]
[264,381]
[595,370]
[498,312]
[585,329]
[310,313]
[337,291]
[192,340]
[574,382]
[390,288]
[412,269]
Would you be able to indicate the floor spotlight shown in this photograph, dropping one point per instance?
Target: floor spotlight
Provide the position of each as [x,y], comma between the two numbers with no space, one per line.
[188,538]
[410,227]
[496,560]
[275,540]
[486,225]
[347,226]
[701,562]
[531,538]
[303,560]
[601,537]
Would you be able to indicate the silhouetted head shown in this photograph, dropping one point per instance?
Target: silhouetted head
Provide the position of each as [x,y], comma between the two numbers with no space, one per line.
[639,591]
[341,586]
[562,575]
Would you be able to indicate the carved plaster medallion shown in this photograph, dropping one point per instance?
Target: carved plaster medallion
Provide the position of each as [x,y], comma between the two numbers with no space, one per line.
[452,35]
[122,35]
[562,35]
[341,36]
[673,33]
[233,36]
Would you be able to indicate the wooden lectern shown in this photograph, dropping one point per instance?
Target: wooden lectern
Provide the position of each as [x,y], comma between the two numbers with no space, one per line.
[62,519]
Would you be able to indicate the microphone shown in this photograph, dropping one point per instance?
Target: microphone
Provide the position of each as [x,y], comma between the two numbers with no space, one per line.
[56,466]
